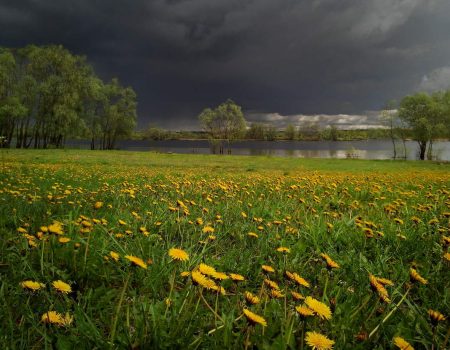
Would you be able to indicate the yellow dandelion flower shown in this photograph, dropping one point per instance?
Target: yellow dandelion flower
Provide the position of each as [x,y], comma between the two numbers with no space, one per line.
[114,255]
[185,274]
[322,310]
[447,256]
[276,294]
[61,286]
[203,281]
[318,341]
[32,285]
[253,234]
[379,288]
[251,298]
[57,318]
[297,296]
[136,261]
[402,344]
[267,268]
[56,228]
[398,221]
[64,240]
[206,269]
[236,277]
[331,264]
[297,279]
[416,277]
[254,318]
[304,311]
[283,250]
[219,276]
[51,317]
[98,205]
[121,222]
[178,254]
[208,229]
[384,281]
[435,317]
[271,284]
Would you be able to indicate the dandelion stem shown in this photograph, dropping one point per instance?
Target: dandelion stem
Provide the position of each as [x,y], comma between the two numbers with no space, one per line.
[119,305]
[210,308]
[389,314]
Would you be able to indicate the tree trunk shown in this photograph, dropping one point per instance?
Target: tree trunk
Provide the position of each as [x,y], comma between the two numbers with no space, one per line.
[430,151]
[422,149]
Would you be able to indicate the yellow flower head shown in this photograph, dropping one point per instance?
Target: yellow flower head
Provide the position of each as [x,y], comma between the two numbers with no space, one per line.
[98,205]
[283,250]
[435,316]
[304,311]
[206,269]
[271,284]
[57,318]
[402,344]
[331,264]
[267,268]
[254,318]
[203,281]
[318,341]
[61,286]
[32,285]
[208,229]
[178,254]
[56,228]
[236,277]
[379,288]
[114,255]
[136,261]
[319,308]
[297,296]
[251,298]
[416,277]
[297,279]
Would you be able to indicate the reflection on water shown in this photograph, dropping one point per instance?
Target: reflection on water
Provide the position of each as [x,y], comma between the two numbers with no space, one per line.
[367,149]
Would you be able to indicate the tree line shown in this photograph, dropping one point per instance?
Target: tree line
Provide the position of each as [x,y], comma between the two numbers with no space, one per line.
[48,95]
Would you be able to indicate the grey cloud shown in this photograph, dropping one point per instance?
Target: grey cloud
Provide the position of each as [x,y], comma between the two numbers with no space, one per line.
[370,119]
[438,79]
[291,57]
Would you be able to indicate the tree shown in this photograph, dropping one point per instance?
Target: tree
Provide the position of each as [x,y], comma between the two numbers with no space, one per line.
[47,95]
[225,122]
[290,132]
[389,117]
[421,113]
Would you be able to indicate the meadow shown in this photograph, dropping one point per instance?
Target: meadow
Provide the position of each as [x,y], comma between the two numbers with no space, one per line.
[141,250]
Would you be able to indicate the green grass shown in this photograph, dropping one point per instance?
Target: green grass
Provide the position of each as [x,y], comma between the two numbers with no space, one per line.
[310,206]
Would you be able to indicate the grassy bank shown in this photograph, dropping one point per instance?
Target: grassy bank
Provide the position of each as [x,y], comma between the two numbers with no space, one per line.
[367,241]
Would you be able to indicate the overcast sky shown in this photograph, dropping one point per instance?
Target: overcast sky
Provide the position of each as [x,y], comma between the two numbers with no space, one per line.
[282,58]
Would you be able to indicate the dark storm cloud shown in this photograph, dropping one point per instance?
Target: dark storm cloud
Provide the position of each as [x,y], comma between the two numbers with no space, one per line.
[289,57]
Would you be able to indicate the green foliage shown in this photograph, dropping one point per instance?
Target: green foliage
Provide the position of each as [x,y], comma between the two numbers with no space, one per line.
[48,94]
[225,122]
[426,116]
[290,132]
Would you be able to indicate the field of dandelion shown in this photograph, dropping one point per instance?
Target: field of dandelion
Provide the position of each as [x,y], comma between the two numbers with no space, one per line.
[140,250]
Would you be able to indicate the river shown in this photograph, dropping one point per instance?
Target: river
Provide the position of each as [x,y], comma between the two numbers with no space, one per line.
[365,149]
